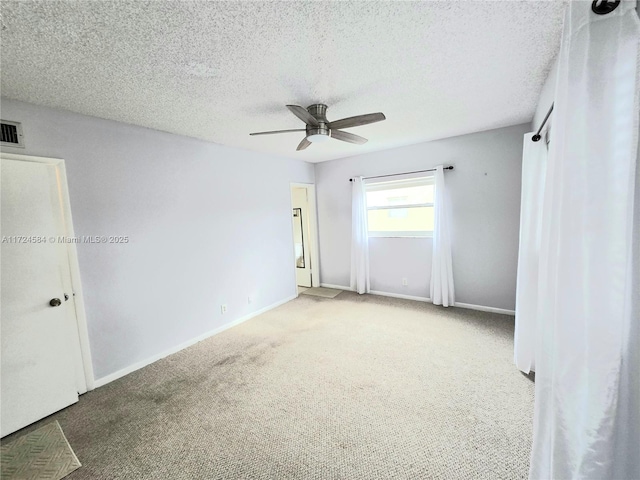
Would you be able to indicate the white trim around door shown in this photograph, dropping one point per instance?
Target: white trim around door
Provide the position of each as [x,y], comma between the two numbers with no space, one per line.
[313,232]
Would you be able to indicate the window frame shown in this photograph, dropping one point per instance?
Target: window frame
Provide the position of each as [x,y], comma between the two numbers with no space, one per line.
[379,186]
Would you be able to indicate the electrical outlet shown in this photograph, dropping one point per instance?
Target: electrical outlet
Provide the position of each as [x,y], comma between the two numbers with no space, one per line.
[223,308]
[249,300]
[404,281]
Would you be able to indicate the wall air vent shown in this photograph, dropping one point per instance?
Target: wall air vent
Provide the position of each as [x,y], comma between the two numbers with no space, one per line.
[11,134]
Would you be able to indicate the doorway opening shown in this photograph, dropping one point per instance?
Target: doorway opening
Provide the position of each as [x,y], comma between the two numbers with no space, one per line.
[304,224]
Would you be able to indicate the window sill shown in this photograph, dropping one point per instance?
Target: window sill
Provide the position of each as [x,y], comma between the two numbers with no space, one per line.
[400,236]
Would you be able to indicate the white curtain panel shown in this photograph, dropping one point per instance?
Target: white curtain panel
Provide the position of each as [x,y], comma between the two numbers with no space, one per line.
[587,409]
[442,290]
[534,168]
[359,238]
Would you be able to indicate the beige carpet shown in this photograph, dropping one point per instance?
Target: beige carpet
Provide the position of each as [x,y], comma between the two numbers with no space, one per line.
[356,387]
[322,292]
[42,454]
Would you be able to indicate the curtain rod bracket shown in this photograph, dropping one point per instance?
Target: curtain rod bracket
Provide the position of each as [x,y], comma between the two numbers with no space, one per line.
[603,7]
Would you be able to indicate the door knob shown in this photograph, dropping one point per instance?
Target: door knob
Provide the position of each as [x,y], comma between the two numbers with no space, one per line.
[55,302]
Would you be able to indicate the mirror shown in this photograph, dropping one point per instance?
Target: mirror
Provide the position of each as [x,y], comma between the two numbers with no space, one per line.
[298,238]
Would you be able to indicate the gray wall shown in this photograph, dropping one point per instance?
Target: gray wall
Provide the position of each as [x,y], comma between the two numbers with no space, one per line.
[208,225]
[484,193]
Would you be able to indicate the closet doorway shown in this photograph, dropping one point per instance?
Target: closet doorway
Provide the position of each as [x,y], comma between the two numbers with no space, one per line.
[304,223]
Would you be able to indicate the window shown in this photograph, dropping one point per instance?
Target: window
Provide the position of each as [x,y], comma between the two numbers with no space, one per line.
[401,208]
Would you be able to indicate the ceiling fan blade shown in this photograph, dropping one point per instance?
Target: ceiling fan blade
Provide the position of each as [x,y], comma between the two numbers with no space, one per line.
[348,137]
[303,115]
[279,131]
[357,120]
[303,144]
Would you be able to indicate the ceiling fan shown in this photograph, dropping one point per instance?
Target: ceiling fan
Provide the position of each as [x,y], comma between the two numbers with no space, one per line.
[319,129]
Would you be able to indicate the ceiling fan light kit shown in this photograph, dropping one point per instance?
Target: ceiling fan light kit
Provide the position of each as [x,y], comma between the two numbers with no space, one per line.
[318,137]
[319,129]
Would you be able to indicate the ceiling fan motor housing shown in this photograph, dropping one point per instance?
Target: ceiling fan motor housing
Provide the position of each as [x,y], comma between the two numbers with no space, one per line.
[319,112]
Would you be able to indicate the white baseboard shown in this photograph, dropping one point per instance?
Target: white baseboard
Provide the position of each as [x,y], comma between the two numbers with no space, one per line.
[456,304]
[339,287]
[399,295]
[136,366]
[470,306]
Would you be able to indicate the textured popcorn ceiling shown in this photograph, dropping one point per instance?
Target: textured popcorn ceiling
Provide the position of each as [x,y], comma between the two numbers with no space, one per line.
[219,70]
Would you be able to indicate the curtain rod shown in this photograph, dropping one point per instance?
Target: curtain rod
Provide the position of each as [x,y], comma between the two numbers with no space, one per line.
[450,167]
[537,136]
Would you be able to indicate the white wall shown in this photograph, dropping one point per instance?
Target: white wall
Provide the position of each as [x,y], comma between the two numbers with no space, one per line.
[208,225]
[484,191]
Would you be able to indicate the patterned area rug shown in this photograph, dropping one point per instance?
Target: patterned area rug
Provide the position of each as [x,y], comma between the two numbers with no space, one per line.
[43,454]
[322,292]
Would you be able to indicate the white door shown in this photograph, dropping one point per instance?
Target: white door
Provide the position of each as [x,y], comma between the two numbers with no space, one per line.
[38,342]
[301,237]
